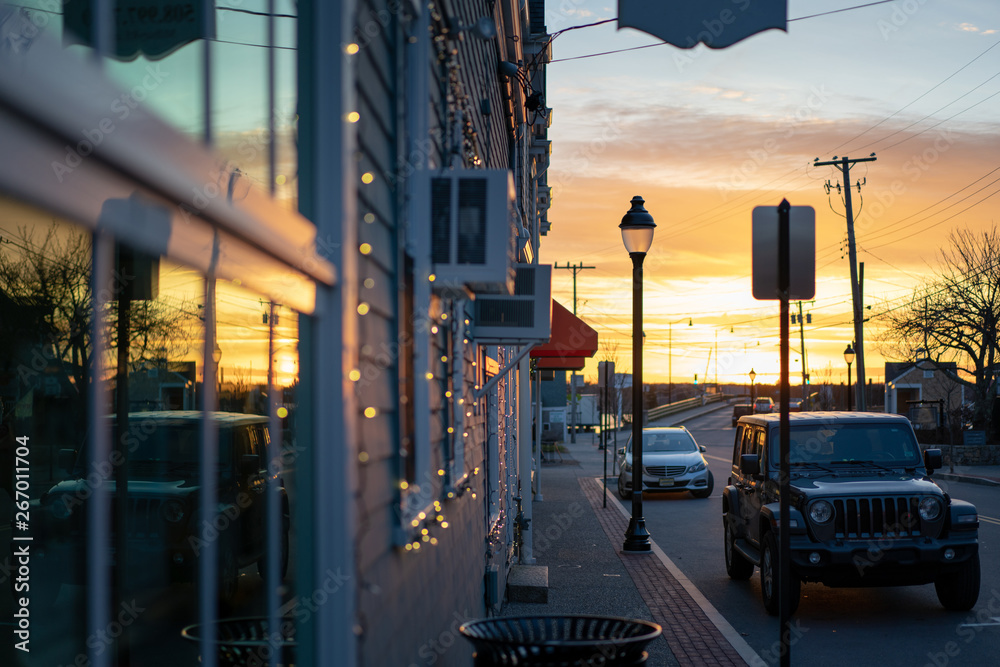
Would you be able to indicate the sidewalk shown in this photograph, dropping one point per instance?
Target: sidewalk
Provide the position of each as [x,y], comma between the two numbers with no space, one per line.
[579,541]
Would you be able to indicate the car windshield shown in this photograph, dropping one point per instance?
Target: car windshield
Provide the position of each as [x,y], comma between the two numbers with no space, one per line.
[157,447]
[885,444]
[668,442]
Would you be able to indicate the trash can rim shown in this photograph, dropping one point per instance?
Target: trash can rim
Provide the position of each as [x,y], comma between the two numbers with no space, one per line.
[189,633]
[653,630]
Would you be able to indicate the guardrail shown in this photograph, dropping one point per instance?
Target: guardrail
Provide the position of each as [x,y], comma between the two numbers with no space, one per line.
[662,411]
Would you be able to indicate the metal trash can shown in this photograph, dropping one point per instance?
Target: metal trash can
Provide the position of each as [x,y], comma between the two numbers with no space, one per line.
[248,642]
[560,641]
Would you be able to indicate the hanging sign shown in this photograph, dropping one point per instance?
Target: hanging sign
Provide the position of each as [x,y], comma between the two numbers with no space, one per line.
[715,23]
[153,28]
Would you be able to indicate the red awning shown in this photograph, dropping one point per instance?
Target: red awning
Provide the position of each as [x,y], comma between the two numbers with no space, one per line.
[572,342]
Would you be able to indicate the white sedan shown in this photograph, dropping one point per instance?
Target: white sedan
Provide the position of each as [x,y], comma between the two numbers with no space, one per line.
[671,461]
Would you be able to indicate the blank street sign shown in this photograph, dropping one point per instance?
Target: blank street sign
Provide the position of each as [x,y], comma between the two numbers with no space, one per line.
[801,253]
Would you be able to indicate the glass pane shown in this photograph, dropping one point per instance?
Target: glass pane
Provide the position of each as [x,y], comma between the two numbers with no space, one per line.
[45,347]
[153,473]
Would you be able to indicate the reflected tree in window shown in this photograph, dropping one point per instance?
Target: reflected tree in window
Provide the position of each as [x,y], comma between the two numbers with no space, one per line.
[45,285]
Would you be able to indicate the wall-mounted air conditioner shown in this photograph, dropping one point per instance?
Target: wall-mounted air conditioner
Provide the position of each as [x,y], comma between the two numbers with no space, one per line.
[521,318]
[474,226]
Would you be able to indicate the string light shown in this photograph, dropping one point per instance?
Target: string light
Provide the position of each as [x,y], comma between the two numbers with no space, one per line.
[353,117]
[370,412]
[354,375]
[365,248]
[367,177]
[363,457]
[351,49]
[363,308]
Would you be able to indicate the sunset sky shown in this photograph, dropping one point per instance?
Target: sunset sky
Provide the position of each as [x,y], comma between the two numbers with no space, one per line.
[706,135]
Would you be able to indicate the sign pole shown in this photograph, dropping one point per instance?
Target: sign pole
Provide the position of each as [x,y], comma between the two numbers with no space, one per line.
[784,539]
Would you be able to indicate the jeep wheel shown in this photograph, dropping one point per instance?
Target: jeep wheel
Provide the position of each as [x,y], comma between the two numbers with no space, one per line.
[707,491]
[960,591]
[622,493]
[282,554]
[229,575]
[737,567]
[769,578]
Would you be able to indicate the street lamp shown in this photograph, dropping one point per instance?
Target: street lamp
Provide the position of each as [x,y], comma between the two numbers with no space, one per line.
[752,376]
[637,234]
[670,358]
[849,358]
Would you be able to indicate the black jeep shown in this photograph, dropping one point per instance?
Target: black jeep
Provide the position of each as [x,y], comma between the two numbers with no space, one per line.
[863,509]
[166,532]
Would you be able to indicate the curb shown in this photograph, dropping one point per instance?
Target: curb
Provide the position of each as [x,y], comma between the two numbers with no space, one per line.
[970,479]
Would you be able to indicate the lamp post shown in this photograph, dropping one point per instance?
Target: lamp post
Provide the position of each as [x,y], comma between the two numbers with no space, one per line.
[637,234]
[752,376]
[849,358]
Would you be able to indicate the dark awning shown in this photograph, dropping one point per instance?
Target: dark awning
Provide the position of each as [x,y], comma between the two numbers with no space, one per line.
[572,342]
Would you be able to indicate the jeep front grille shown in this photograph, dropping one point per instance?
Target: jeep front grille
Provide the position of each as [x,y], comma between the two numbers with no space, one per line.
[144,519]
[665,471]
[863,518]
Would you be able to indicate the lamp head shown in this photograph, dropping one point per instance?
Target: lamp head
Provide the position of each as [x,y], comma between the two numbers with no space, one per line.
[508,69]
[849,355]
[637,228]
[752,375]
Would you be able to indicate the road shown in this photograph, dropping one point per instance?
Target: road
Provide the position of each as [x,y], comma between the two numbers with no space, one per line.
[884,627]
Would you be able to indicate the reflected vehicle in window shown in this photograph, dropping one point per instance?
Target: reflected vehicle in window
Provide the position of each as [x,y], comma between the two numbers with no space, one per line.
[166,533]
[671,461]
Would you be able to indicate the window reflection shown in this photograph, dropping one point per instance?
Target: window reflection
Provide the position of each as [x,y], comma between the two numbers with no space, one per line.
[153,473]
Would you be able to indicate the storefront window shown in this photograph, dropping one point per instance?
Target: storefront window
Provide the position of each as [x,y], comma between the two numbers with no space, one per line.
[153,385]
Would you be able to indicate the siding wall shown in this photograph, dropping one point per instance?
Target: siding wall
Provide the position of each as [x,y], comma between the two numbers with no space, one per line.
[411,601]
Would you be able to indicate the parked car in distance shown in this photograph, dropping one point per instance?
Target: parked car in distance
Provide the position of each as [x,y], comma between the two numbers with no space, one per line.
[863,509]
[762,406]
[671,461]
[741,409]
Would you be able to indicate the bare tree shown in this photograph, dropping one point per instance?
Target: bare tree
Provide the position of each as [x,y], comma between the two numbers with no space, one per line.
[955,317]
[49,274]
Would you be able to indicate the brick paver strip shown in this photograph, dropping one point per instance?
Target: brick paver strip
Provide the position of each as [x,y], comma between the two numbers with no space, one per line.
[692,637]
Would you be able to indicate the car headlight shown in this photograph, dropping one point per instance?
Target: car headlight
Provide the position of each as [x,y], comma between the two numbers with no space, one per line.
[172,511]
[697,467]
[930,508]
[821,511]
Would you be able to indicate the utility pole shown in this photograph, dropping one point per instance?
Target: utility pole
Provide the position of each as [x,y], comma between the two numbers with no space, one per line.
[845,164]
[802,342]
[575,268]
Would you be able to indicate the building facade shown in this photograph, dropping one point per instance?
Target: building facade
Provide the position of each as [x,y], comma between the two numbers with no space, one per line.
[310,216]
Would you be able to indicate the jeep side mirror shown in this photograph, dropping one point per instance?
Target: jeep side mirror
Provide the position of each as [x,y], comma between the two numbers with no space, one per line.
[702,449]
[750,464]
[932,460]
[249,464]
[621,452]
[65,459]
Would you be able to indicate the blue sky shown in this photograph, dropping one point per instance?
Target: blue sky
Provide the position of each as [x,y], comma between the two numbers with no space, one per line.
[705,135]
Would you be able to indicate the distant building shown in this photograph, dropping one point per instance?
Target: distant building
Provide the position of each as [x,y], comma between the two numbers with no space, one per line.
[922,380]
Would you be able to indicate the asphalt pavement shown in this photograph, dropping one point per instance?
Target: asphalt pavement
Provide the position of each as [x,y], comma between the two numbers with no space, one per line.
[578,534]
